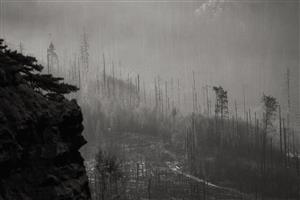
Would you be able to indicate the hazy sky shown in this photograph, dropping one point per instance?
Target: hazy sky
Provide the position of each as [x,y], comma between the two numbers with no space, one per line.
[238,44]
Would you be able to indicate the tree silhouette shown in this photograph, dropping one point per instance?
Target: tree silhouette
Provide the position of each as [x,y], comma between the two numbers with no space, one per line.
[270,106]
[221,107]
[29,70]
[108,167]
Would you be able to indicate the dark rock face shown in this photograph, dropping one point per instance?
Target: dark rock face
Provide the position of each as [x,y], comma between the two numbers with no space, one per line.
[39,142]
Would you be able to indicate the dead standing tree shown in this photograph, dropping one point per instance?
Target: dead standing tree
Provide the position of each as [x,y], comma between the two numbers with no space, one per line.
[221,110]
[270,105]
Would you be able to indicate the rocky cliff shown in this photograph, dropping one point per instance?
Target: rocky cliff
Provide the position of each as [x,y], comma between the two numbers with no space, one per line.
[39,141]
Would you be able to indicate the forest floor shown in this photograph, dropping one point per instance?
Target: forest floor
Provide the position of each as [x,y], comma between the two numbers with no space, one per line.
[154,172]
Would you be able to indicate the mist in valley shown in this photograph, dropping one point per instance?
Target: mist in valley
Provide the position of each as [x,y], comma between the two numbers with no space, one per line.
[180,99]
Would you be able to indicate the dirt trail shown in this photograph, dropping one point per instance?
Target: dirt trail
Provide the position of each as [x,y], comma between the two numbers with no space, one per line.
[235,194]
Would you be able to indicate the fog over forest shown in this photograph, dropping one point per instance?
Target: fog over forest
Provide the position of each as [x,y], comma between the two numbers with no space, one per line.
[241,45]
[181,99]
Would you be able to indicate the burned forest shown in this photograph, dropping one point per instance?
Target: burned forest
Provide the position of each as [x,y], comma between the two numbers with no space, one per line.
[156,100]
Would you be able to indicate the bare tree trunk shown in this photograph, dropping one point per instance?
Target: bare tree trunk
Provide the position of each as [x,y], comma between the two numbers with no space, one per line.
[285,145]
[145,96]
[113,81]
[166,98]
[104,74]
[178,93]
[298,174]
[280,130]
[207,101]
[156,93]
[149,188]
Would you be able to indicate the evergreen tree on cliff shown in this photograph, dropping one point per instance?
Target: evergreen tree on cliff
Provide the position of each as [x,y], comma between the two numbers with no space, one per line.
[28,70]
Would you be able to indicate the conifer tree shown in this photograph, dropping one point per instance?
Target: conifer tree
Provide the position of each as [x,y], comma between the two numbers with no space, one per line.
[29,70]
[221,107]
